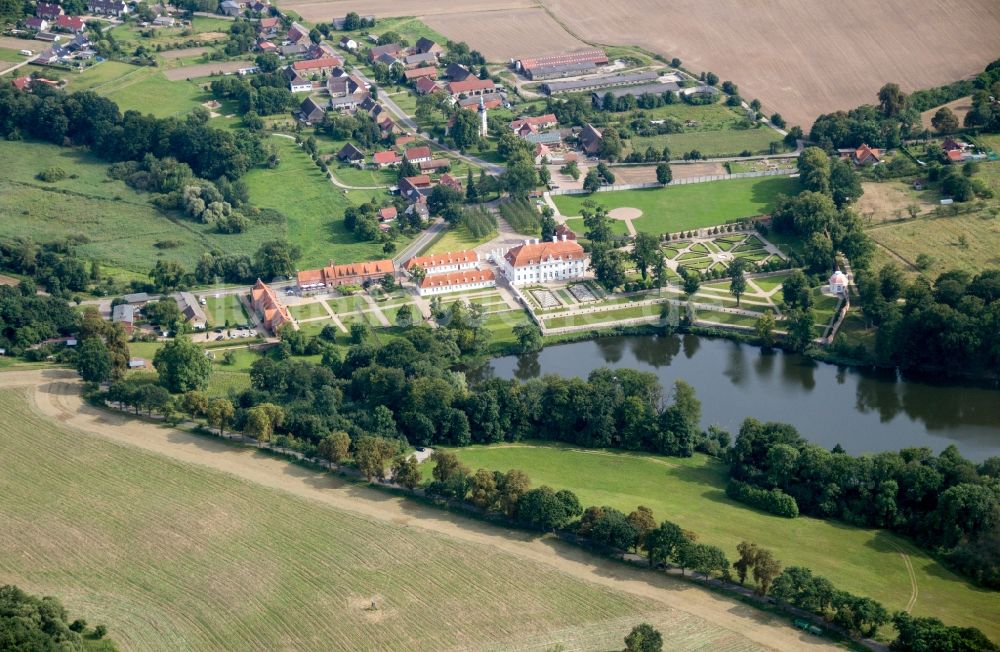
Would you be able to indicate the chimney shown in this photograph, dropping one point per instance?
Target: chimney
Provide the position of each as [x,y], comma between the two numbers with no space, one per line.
[527,242]
[555,238]
[564,237]
[536,240]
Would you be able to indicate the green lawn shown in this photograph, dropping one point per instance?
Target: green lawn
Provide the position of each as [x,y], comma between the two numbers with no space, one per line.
[109,221]
[691,492]
[769,283]
[314,208]
[308,311]
[597,318]
[223,310]
[343,305]
[725,142]
[457,238]
[689,206]
[156,94]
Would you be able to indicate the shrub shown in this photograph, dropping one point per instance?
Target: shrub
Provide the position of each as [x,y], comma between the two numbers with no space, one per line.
[51,174]
[774,501]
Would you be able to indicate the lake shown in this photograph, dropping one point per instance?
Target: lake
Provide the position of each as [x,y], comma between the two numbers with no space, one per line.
[863,411]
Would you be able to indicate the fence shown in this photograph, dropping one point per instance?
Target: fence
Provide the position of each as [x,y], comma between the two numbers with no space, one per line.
[676,182]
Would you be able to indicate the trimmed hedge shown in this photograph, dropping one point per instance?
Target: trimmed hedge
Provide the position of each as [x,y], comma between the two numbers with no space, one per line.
[774,501]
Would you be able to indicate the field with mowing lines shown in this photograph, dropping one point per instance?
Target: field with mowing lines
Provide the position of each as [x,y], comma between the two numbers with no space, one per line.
[226,309]
[691,492]
[311,550]
[690,206]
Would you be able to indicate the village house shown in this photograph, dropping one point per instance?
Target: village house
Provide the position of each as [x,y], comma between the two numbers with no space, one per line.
[866,155]
[273,314]
[449,181]
[300,85]
[267,46]
[107,7]
[420,73]
[426,85]
[73,24]
[125,314]
[420,60]
[385,159]
[163,21]
[425,45]
[191,310]
[310,112]
[486,101]
[542,262]
[347,92]
[48,10]
[387,214]
[293,50]
[456,281]
[297,33]
[333,276]
[268,27]
[470,86]
[418,154]
[410,188]
[457,72]
[591,140]
[452,261]
[36,23]
[535,123]
[316,66]
[434,165]
[323,51]
[350,153]
[391,49]
[22,83]
[349,44]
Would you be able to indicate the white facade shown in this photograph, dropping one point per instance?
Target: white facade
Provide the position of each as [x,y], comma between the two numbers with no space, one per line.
[563,261]
[445,263]
[838,283]
[478,284]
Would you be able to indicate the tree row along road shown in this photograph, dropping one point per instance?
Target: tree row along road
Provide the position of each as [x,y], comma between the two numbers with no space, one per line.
[56,394]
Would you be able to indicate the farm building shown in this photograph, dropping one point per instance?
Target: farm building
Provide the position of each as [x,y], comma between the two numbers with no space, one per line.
[420,59]
[457,72]
[561,70]
[456,281]
[591,140]
[453,261]
[541,262]
[126,315]
[535,123]
[418,154]
[317,66]
[425,45]
[273,314]
[192,311]
[700,90]
[597,98]
[230,8]
[470,86]
[866,155]
[418,73]
[392,49]
[332,276]
[298,34]
[425,85]
[349,44]
[412,187]
[434,165]
[594,83]
[529,64]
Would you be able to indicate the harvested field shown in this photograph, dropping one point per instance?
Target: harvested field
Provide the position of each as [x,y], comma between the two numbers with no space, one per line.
[205,69]
[170,55]
[325,10]
[502,35]
[801,57]
[311,550]
[959,107]
[18,44]
[889,200]
[691,170]
[635,174]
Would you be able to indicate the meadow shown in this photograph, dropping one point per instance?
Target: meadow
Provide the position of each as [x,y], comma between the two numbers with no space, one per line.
[170,554]
[689,206]
[724,142]
[691,492]
[109,221]
[314,208]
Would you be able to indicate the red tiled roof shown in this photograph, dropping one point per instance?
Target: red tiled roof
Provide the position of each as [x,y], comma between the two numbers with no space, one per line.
[418,181]
[332,273]
[317,64]
[70,22]
[387,213]
[469,85]
[21,83]
[453,279]
[268,23]
[439,260]
[536,121]
[417,152]
[531,254]
[383,158]
[955,155]
[418,73]
[264,300]
[426,85]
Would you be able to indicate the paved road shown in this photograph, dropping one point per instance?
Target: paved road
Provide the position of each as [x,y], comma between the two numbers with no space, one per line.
[385,100]
[18,65]
[421,242]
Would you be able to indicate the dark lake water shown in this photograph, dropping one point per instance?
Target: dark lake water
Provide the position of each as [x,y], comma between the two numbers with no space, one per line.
[863,411]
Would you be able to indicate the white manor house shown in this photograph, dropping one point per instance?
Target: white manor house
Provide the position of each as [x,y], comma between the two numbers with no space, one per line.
[543,262]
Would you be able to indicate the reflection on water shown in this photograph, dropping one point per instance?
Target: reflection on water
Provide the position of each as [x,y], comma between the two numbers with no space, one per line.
[861,410]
